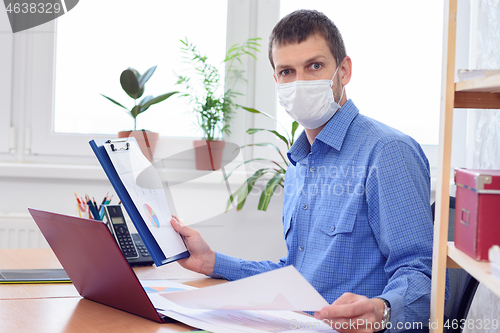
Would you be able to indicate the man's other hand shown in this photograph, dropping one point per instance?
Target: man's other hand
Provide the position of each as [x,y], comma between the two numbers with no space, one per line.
[202,258]
[353,313]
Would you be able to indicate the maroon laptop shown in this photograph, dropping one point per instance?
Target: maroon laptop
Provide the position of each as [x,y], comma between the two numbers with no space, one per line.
[94,263]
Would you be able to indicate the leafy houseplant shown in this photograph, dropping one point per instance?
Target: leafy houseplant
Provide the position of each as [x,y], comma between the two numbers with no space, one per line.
[133,83]
[271,172]
[213,105]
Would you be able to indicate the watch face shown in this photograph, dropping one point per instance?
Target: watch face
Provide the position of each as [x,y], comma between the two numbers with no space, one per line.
[386,317]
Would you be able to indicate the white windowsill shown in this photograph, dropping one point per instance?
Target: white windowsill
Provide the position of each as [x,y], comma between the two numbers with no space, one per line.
[51,171]
[92,172]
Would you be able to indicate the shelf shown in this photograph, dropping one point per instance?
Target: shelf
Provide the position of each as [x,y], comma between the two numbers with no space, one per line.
[481,81]
[477,89]
[480,91]
[480,270]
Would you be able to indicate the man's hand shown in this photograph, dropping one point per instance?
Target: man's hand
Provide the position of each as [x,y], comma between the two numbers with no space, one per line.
[353,313]
[202,258]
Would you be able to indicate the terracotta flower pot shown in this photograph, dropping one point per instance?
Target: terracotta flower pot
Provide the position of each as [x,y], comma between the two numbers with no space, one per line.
[208,154]
[147,141]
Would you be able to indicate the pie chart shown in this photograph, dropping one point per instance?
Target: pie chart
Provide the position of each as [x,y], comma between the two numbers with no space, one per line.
[151,216]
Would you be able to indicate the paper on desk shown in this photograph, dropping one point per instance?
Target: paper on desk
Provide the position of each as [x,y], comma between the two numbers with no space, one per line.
[162,286]
[243,321]
[279,289]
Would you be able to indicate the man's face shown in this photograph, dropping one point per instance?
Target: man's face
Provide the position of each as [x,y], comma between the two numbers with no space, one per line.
[308,60]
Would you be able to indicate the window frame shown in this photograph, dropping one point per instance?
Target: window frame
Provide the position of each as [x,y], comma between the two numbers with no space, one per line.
[6,61]
[42,145]
[29,104]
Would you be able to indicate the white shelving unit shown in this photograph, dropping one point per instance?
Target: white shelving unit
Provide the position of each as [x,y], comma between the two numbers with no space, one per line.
[482,92]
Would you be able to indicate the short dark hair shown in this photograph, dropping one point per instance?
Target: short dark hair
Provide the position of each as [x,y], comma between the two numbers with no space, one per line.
[300,24]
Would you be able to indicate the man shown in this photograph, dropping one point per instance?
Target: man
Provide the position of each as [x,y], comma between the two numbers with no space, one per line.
[356,210]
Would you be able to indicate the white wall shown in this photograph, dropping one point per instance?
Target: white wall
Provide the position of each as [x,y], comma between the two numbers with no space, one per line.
[249,234]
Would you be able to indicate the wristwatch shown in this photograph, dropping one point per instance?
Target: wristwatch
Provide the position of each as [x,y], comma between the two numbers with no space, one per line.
[386,316]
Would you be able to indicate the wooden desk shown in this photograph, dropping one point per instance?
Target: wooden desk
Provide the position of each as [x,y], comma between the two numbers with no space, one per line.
[59,308]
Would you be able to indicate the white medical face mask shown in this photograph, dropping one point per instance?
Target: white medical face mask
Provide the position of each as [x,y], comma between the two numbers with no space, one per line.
[310,103]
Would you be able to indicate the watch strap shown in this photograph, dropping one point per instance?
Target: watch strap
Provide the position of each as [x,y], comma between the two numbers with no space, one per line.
[386,315]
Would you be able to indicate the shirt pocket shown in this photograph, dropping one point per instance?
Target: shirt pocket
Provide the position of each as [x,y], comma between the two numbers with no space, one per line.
[344,225]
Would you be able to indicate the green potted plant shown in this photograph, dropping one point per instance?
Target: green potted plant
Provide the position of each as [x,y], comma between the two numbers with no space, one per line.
[133,83]
[272,172]
[213,105]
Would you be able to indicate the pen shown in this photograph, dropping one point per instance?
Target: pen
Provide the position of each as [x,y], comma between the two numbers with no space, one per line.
[82,206]
[103,201]
[92,208]
[78,205]
[101,212]
[101,207]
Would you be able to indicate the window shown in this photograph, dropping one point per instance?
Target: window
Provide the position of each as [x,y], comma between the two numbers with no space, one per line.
[396,60]
[42,99]
[125,34]
[6,41]
[51,142]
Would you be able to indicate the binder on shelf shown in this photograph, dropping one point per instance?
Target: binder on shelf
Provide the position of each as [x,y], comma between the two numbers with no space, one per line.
[151,243]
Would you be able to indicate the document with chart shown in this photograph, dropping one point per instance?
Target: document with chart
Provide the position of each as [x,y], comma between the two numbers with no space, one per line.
[260,303]
[146,203]
[280,289]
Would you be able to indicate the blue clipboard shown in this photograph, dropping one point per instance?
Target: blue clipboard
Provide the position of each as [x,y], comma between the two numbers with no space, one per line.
[149,241]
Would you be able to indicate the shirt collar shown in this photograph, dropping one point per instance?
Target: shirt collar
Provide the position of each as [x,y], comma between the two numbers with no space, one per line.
[333,134]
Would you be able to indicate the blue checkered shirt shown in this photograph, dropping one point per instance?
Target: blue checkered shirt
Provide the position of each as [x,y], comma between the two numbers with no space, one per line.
[356,216]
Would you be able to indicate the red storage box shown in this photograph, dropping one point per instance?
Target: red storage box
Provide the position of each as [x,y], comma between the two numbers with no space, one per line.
[477,211]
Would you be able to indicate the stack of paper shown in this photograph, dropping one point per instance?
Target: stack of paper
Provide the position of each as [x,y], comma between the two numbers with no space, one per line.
[245,321]
[494,257]
[279,289]
[260,303]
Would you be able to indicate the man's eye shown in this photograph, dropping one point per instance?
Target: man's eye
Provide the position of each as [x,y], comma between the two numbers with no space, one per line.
[285,72]
[316,66]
